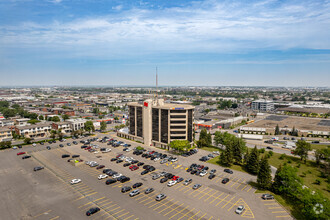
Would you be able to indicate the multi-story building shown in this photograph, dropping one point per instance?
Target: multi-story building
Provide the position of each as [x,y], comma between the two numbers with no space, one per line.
[77,124]
[5,134]
[34,131]
[65,127]
[4,123]
[157,123]
[262,105]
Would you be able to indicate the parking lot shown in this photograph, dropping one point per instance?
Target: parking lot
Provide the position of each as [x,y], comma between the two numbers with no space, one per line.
[213,200]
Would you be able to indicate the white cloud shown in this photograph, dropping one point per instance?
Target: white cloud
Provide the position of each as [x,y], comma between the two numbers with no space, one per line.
[209,26]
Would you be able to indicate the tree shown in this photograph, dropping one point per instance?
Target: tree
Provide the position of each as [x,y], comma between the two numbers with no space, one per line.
[302,149]
[103,126]
[238,148]
[264,178]
[56,119]
[116,118]
[277,130]
[27,140]
[5,144]
[252,164]
[294,131]
[286,181]
[65,117]
[4,104]
[52,134]
[9,112]
[96,110]
[33,121]
[41,117]
[205,139]
[89,126]
[180,145]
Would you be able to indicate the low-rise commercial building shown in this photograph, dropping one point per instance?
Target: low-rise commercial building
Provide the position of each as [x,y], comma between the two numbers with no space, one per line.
[34,131]
[5,134]
[77,124]
[262,105]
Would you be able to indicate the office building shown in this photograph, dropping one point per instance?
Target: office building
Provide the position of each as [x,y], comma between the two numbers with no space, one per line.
[156,123]
[262,105]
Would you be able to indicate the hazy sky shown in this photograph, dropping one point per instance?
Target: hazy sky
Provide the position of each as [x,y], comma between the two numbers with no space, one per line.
[117,42]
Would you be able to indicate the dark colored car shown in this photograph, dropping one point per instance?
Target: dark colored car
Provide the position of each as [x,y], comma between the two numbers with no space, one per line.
[211,176]
[68,144]
[92,211]
[106,170]
[48,148]
[126,189]
[38,168]
[228,171]
[193,171]
[119,161]
[151,168]
[136,185]
[61,145]
[140,163]
[225,180]
[113,159]
[146,167]
[269,148]
[126,164]
[163,180]
[65,155]
[75,156]
[110,181]
[144,172]
[26,157]
[125,179]
[100,167]
[42,143]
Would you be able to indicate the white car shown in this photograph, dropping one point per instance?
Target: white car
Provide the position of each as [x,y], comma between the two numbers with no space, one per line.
[171,183]
[156,159]
[34,144]
[96,152]
[240,209]
[203,173]
[75,181]
[102,176]
[115,176]
[216,152]
[15,147]
[106,150]
[174,159]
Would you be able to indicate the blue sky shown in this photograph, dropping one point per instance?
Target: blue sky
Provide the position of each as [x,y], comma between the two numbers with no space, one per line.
[211,42]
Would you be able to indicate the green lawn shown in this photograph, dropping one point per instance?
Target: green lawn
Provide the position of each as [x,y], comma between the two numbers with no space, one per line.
[319,146]
[211,149]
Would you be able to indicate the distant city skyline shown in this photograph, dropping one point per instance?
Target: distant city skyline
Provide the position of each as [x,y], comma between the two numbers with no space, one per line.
[193,43]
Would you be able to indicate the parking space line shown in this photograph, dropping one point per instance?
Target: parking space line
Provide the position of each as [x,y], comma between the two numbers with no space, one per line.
[210,218]
[91,194]
[206,193]
[236,182]
[244,187]
[118,212]
[174,209]
[222,200]
[202,216]
[186,213]
[54,218]
[194,215]
[249,189]
[216,198]
[36,216]
[211,196]
[228,202]
[162,204]
[91,202]
[271,204]
[168,207]
[128,217]
[198,191]
[123,214]
[234,204]
[106,200]
[105,204]
[179,212]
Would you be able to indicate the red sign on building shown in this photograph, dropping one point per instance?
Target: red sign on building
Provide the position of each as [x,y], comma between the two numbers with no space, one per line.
[145,104]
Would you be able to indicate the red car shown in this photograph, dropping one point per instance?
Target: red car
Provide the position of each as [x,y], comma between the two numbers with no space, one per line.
[175,177]
[132,166]
[119,155]
[87,148]
[100,167]
[152,152]
[20,153]
[135,168]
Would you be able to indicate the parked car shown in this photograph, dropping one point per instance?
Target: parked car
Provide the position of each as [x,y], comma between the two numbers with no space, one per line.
[110,181]
[228,171]
[160,197]
[211,176]
[26,157]
[163,180]
[100,167]
[149,190]
[267,196]
[75,181]
[225,180]
[65,155]
[171,183]
[136,185]
[144,172]
[269,148]
[197,186]
[92,211]
[75,156]
[38,168]
[239,210]
[102,176]
[126,189]
[20,153]
[134,193]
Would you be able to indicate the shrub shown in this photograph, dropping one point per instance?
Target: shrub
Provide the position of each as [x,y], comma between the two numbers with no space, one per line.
[323,175]
[317,181]
[298,165]
[289,161]
[309,171]
[270,153]
[282,157]
[262,150]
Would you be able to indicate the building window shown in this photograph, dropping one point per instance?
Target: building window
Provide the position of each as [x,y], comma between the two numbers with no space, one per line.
[164,126]
[139,123]
[178,111]
[178,116]
[178,127]
[131,120]
[190,124]
[178,122]
[178,137]
[178,132]
[155,124]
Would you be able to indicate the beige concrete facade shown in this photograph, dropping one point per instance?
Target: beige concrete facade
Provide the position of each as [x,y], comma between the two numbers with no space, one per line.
[159,123]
